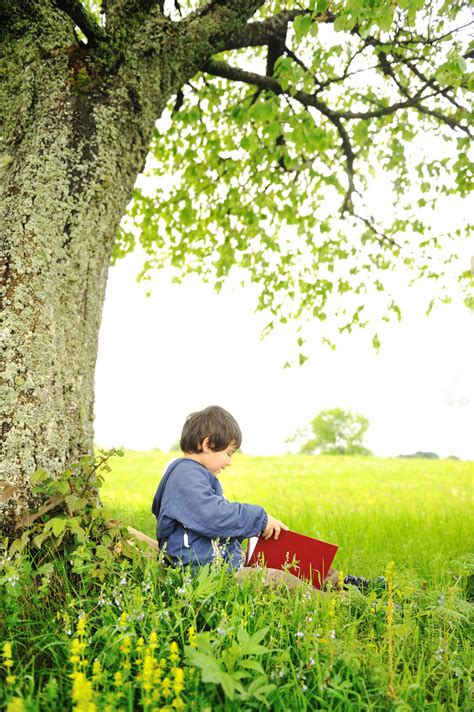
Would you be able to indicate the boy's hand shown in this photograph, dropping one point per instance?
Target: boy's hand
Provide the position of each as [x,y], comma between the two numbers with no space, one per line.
[273,528]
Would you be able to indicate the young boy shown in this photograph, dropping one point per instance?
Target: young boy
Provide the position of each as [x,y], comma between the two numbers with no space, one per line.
[195,523]
[189,506]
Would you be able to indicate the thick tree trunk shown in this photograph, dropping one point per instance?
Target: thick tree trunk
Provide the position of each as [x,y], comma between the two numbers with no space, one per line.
[77,145]
[66,181]
[76,123]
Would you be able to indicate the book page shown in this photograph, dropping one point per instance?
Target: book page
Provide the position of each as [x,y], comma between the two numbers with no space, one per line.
[250,549]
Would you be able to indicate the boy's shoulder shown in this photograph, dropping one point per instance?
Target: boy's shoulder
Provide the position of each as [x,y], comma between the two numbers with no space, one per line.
[186,465]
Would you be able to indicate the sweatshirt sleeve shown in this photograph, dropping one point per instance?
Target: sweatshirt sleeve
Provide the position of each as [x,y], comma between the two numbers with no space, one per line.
[193,502]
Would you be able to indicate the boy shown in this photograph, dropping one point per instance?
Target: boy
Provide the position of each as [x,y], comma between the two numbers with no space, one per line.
[194,520]
[189,505]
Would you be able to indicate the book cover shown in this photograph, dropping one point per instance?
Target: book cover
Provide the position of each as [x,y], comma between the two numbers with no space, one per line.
[303,556]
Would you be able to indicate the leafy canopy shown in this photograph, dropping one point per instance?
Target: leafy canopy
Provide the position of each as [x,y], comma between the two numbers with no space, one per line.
[316,155]
[334,432]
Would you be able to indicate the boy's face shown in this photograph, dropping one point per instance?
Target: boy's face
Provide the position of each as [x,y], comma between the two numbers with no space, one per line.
[215,461]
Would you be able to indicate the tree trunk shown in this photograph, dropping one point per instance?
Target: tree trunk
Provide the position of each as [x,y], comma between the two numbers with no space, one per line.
[64,187]
[76,123]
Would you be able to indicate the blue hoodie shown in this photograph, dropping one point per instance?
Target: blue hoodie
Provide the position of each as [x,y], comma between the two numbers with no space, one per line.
[192,513]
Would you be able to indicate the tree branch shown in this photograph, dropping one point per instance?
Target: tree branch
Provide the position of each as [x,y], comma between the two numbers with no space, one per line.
[224,70]
[428,82]
[119,12]
[82,18]
[258,34]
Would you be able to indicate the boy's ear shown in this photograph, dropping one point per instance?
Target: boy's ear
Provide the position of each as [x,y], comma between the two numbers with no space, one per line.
[205,445]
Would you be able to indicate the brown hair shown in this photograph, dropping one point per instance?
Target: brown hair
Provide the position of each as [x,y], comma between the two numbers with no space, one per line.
[214,423]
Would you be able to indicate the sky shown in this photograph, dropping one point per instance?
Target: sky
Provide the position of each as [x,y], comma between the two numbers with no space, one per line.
[186,347]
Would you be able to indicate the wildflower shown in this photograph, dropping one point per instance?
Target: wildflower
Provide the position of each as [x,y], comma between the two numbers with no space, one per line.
[123,581]
[153,639]
[147,672]
[304,687]
[7,655]
[299,634]
[126,645]
[139,645]
[174,652]
[81,625]
[166,687]
[311,662]
[221,631]
[123,620]
[82,693]
[178,703]
[178,682]
[192,636]
[96,671]
[16,705]
[118,679]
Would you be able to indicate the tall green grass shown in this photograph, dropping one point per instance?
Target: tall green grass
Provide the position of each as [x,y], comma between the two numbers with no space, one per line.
[417,513]
[146,637]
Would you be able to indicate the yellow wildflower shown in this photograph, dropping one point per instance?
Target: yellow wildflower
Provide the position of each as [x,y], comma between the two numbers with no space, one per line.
[139,645]
[174,652]
[126,645]
[81,626]
[7,654]
[192,636]
[82,693]
[96,671]
[147,672]
[16,705]
[178,683]
[153,639]
[123,620]
[10,679]
[118,679]
[166,686]
[178,703]
[76,649]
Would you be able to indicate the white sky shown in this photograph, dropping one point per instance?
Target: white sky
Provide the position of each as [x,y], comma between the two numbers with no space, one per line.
[187,347]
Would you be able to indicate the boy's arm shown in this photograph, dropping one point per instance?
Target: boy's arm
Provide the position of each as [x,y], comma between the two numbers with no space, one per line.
[195,504]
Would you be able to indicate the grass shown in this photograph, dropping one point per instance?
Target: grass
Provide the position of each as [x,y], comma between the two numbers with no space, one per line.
[417,513]
[148,638]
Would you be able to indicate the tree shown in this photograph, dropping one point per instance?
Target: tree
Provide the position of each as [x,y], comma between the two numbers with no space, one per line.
[274,115]
[335,432]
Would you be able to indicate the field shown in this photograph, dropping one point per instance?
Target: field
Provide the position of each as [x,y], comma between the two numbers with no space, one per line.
[151,638]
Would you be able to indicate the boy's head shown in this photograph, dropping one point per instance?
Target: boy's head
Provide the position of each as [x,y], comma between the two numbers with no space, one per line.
[213,425]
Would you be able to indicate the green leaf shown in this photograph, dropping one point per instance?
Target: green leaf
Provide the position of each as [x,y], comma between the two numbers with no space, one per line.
[187,216]
[58,525]
[301,25]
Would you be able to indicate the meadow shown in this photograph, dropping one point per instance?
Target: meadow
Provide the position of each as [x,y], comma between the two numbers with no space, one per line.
[141,636]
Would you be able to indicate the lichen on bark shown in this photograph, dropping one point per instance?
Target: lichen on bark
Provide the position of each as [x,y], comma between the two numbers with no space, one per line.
[76,122]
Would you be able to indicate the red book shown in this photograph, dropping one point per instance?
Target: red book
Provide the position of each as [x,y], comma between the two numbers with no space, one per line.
[301,555]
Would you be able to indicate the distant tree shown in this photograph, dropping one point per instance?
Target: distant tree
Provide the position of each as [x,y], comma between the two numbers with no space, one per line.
[423,454]
[335,432]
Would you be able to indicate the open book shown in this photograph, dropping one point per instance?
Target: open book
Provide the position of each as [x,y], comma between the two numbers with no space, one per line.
[301,555]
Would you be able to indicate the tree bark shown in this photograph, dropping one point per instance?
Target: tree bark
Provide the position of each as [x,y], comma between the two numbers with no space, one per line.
[76,126]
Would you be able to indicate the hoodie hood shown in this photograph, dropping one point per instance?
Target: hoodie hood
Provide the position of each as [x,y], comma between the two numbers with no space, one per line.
[158,498]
